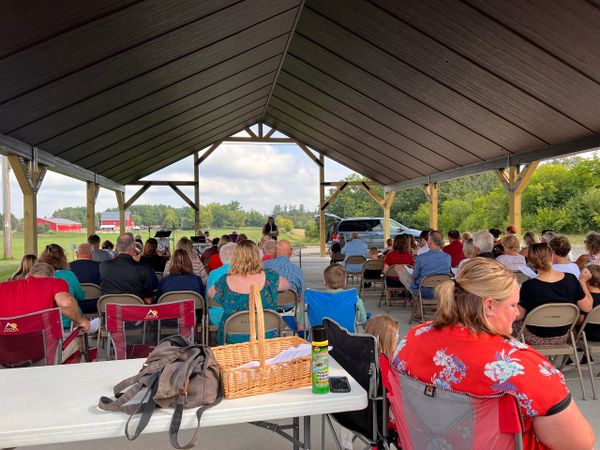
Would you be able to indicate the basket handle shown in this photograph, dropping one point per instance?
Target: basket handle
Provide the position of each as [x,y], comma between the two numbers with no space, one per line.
[257,316]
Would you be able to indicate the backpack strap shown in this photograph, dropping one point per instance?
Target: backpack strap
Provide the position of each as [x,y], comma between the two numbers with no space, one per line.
[148,406]
[177,414]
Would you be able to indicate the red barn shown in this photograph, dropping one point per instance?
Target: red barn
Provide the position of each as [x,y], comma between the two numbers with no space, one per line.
[58,224]
[111,220]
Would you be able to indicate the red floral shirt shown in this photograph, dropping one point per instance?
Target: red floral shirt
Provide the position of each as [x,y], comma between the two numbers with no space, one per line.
[484,364]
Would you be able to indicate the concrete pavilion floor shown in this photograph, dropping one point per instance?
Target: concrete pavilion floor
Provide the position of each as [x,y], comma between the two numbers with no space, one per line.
[246,436]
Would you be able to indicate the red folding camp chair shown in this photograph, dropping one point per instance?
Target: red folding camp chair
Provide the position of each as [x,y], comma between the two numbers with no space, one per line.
[428,416]
[37,338]
[117,315]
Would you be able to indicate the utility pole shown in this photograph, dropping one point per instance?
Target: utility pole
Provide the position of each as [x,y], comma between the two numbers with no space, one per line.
[6,208]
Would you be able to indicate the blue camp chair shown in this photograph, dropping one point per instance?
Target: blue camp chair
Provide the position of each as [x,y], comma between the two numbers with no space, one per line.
[339,306]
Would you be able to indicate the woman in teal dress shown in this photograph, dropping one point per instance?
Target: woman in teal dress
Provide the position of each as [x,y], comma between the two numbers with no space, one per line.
[54,255]
[231,291]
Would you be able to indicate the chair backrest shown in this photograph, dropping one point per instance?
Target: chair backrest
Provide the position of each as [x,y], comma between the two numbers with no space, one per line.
[552,315]
[337,256]
[117,315]
[91,290]
[356,259]
[174,296]
[373,264]
[338,305]
[27,339]
[521,277]
[392,272]
[592,318]
[287,297]
[239,323]
[433,281]
[357,354]
[426,415]
[122,299]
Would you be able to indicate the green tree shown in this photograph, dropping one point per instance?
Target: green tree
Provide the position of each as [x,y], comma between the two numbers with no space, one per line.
[284,224]
[171,219]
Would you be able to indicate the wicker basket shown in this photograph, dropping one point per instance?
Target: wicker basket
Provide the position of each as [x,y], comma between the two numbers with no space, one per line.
[264,378]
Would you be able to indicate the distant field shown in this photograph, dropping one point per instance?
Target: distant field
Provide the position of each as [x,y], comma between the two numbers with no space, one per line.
[70,240]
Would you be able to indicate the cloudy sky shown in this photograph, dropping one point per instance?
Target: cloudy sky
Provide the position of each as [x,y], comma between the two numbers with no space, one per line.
[257,175]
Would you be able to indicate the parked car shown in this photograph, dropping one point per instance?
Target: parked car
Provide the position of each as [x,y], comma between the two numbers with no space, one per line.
[370,230]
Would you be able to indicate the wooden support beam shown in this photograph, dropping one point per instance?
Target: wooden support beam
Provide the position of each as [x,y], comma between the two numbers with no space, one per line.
[184,197]
[333,196]
[265,140]
[29,175]
[196,193]
[162,183]
[431,192]
[372,194]
[310,154]
[566,148]
[515,179]
[208,152]
[12,146]
[270,133]
[387,207]
[122,208]
[6,208]
[251,133]
[322,225]
[261,132]
[351,183]
[137,195]
[92,190]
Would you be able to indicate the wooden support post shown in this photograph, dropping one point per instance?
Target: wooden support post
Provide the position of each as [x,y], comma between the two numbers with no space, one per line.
[196,193]
[6,208]
[92,190]
[322,230]
[515,180]
[387,207]
[431,191]
[30,176]
[121,202]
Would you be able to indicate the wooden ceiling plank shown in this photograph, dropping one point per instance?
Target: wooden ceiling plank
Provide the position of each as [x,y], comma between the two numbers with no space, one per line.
[504,53]
[336,154]
[375,163]
[81,47]
[386,118]
[444,159]
[192,128]
[147,58]
[445,67]
[260,59]
[165,119]
[137,161]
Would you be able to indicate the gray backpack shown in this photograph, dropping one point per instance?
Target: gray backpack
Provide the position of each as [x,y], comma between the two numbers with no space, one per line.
[175,375]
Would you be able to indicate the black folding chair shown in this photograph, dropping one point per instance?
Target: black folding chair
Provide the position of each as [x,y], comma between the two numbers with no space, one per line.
[357,354]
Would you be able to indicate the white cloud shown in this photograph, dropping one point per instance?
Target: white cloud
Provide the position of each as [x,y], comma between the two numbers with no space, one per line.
[258,176]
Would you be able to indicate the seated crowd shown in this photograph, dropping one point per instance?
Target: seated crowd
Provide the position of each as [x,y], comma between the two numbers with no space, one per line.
[469,347]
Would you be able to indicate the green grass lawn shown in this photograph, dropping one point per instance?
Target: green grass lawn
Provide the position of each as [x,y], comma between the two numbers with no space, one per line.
[69,242]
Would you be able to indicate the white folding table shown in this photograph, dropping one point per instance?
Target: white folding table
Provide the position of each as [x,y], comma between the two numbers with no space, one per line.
[55,404]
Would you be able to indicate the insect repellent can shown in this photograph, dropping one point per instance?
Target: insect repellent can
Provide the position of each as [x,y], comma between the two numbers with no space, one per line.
[320,360]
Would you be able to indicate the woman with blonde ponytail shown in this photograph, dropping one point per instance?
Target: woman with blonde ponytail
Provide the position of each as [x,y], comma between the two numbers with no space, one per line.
[468,348]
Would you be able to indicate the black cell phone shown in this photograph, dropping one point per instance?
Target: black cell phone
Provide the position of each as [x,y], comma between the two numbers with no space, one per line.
[339,384]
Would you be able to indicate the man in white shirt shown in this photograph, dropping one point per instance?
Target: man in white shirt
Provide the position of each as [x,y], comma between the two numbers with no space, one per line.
[561,247]
[424,241]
